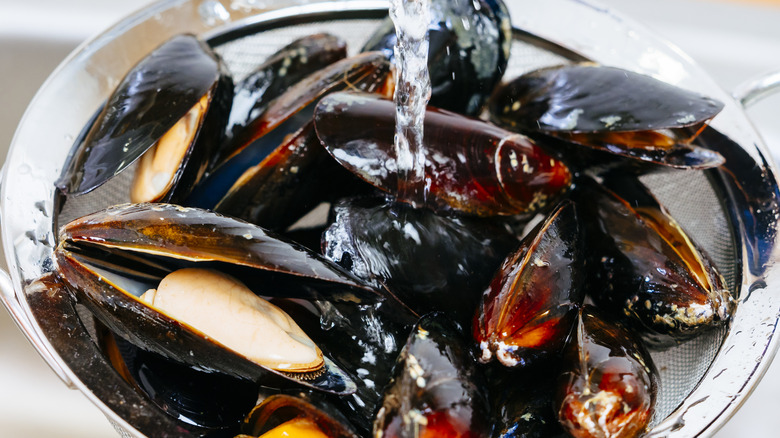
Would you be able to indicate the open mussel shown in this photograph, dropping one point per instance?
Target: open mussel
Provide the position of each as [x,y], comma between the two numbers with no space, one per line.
[437,389]
[170,110]
[645,268]
[527,312]
[609,383]
[473,168]
[469,44]
[287,115]
[617,112]
[284,415]
[387,243]
[288,66]
[145,270]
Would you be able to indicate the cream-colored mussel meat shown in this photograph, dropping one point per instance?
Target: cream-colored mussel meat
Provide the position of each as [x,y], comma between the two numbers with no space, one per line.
[226,311]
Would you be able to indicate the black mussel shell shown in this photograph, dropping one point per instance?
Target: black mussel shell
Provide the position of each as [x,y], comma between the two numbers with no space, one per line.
[609,383]
[287,114]
[645,269]
[292,180]
[106,295]
[528,311]
[364,339]
[595,116]
[476,168]
[211,401]
[588,98]
[287,415]
[522,403]
[469,43]
[436,389]
[289,65]
[429,262]
[153,97]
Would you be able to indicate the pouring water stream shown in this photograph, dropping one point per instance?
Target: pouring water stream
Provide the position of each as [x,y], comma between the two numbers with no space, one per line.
[412,92]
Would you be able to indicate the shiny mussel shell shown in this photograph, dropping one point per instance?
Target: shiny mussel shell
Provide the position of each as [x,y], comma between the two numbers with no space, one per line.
[646,269]
[468,51]
[286,115]
[284,415]
[292,180]
[112,257]
[174,104]
[203,400]
[436,389]
[528,310]
[288,66]
[523,403]
[611,110]
[388,243]
[609,383]
[474,168]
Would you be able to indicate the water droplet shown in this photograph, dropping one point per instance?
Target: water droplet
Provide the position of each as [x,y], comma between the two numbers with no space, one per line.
[24,169]
[212,12]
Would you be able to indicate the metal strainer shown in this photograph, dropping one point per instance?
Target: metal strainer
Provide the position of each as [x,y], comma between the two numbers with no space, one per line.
[731,211]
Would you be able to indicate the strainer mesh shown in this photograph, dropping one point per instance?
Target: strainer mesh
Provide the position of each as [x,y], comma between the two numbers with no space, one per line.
[688,195]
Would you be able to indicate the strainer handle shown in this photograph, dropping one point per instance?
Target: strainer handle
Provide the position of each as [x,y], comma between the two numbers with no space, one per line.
[11,302]
[756,89]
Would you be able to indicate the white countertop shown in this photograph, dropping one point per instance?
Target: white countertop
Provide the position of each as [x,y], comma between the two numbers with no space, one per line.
[732,41]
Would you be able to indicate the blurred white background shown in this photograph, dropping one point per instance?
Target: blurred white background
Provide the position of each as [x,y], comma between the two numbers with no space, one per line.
[733,41]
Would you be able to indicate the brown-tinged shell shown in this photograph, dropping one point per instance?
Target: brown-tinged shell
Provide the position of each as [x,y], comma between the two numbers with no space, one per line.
[528,311]
[436,389]
[475,168]
[646,269]
[609,383]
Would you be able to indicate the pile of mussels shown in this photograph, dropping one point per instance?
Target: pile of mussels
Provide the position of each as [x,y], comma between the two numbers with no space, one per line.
[214,291]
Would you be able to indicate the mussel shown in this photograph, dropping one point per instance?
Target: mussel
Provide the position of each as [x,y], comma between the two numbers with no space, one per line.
[614,111]
[522,403]
[609,383]
[364,339]
[284,415]
[387,243]
[292,180]
[528,311]
[645,269]
[469,47]
[473,168]
[286,115]
[170,110]
[436,389]
[110,258]
[286,67]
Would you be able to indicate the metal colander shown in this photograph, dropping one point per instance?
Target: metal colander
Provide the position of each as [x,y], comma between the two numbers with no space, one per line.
[730,212]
